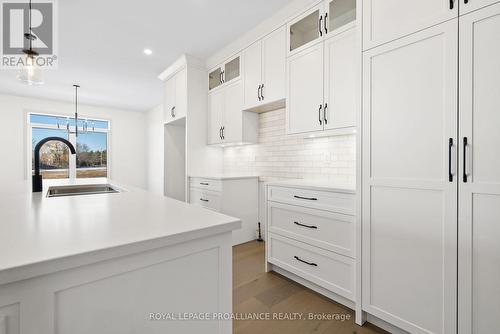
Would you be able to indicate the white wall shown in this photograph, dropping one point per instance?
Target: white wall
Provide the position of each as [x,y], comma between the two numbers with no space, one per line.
[154,150]
[127,151]
[280,155]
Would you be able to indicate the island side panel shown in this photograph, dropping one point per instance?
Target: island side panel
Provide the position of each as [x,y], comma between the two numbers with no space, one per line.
[144,292]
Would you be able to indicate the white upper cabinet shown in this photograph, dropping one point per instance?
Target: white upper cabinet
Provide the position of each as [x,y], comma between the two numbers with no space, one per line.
[227,122]
[322,88]
[306,29]
[274,65]
[215,119]
[228,71]
[467,6]
[252,69]
[264,70]
[387,20]
[340,81]
[175,98]
[305,90]
[327,18]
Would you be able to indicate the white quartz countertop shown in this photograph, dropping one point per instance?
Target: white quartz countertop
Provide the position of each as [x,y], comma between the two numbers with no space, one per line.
[35,229]
[315,185]
[226,176]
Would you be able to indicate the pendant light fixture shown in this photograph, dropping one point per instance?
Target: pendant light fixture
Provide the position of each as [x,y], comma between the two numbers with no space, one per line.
[85,122]
[30,73]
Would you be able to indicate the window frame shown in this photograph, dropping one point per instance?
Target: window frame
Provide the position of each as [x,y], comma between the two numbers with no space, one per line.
[71,137]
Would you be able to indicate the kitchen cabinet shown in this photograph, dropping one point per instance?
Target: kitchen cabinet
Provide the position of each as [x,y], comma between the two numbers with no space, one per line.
[433,197]
[225,73]
[228,123]
[264,71]
[409,182]
[384,21]
[236,196]
[321,92]
[327,18]
[311,235]
[175,98]
[479,165]
[305,90]
[340,69]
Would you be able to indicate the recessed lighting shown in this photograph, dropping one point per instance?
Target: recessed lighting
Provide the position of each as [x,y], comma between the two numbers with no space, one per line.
[148,52]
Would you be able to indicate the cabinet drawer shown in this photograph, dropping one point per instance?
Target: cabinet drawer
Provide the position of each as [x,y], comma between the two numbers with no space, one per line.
[331,231]
[329,270]
[208,184]
[331,201]
[206,199]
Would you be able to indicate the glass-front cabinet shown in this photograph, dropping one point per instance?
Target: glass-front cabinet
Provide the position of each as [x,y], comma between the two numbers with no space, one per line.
[227,72]
[326,19]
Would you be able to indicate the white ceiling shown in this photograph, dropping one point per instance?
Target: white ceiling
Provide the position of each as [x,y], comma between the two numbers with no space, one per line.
[101,46]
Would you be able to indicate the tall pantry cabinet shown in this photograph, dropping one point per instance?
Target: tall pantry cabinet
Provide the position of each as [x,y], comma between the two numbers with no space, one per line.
[430,166]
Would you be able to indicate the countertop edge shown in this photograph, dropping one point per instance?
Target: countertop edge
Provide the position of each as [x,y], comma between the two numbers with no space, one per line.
[31,270]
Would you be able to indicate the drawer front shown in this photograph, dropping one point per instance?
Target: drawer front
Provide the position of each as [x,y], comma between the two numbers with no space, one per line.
[328,230]
[208,184]
[324,200]
[204,198]
[329,270]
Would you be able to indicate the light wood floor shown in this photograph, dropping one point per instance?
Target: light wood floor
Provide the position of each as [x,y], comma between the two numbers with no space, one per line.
[255,291]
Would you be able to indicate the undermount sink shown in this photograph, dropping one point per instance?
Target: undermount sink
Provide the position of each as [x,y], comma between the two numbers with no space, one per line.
[77,190]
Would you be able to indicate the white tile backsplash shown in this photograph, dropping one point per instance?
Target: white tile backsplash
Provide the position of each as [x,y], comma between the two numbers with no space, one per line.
[280,156]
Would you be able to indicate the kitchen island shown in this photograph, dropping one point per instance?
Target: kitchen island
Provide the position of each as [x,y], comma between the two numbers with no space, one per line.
[126,262]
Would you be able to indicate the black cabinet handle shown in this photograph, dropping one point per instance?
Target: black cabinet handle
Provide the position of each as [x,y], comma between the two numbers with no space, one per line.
[223,76]
[262,92]
[303,225]
[326,29]
[306,198]
[220,77]
[452,4]
[203,200]
[465,160]
[309,263]
[450,147]
[325,113]
[204,183]
[319,114]
[466,1]
[172,112]
[223,135]
[220,132]
[319,25]
[258,93]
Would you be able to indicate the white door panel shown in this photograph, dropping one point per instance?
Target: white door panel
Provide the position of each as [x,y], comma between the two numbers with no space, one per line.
[305,90]
[216,110]
[409,204]
[387,20]
[180,94]
[233,109]
[252,74]
[340,80]
[274,65]
[479,201]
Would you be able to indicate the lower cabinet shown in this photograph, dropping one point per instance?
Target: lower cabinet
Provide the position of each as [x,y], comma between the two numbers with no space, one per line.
[311,238]
[233,196]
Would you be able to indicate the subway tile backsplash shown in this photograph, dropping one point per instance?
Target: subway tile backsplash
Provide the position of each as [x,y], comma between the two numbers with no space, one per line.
[280,156]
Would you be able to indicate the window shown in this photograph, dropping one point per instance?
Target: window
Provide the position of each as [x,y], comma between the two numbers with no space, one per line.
[56,162]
